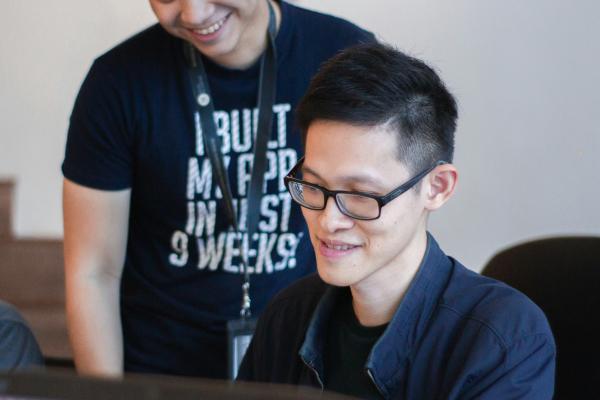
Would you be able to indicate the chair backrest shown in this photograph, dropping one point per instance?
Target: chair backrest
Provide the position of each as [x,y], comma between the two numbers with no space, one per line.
[562,276]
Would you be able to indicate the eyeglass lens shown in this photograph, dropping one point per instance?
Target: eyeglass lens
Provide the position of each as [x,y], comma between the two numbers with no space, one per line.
[352,205]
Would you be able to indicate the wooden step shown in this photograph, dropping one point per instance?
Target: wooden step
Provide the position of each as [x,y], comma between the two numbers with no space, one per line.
[6,197]
[32,279]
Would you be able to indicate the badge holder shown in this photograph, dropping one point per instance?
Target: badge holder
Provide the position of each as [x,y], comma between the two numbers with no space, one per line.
[239,335]
[239,331]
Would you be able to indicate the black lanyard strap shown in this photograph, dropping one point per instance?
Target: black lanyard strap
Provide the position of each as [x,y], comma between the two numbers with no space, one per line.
[212,143]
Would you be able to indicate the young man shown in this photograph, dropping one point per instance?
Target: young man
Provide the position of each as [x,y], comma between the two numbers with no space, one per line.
[152,268]
[389,314]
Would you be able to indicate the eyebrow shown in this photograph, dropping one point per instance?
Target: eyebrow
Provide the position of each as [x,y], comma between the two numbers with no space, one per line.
[364,178]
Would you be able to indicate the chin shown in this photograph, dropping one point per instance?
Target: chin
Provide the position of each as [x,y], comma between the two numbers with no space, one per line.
[333,275]
[333,281]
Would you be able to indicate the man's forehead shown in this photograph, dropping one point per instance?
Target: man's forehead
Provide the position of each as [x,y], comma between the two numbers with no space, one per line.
[347,172]
[341,141]
[351,176]
[382,137]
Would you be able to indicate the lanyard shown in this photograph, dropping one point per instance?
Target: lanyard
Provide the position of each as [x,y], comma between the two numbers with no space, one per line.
[212,143]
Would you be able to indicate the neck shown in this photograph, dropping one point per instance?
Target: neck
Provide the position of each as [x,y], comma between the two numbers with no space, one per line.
[376,299]
[254,41]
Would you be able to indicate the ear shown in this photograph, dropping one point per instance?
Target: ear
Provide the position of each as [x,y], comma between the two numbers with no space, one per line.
[440,186]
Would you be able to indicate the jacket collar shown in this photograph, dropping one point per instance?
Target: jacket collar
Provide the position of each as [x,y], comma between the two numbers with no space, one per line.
[389,356]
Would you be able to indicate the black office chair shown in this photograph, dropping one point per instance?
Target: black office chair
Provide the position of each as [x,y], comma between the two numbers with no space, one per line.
[562,276]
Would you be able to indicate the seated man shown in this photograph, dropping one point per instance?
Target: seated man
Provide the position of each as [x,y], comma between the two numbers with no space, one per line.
[389,314]
[18,347]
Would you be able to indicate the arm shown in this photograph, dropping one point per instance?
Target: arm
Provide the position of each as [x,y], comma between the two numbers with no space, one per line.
[95,239]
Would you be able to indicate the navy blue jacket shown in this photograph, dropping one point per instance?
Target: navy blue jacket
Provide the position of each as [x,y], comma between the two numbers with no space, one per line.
[456,335]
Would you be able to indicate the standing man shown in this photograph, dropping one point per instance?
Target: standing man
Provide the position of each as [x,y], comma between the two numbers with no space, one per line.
[389,314]
[153,269]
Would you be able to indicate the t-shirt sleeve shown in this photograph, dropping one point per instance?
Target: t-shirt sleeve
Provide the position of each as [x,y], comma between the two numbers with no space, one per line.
[99,151]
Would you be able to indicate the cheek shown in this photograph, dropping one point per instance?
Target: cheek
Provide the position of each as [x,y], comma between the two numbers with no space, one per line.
[375,235]
[310,217]
[245,7]
[167,14]
[390,229]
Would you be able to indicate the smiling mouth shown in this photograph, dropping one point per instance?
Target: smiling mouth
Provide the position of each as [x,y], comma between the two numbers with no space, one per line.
[339,247]
[332,249]
[212,28]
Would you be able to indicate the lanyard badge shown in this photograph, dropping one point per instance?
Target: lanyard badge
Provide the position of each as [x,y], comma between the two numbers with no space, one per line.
[239,331]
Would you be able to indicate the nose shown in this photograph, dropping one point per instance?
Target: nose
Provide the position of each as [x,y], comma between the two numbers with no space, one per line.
[331,218]
[196,12]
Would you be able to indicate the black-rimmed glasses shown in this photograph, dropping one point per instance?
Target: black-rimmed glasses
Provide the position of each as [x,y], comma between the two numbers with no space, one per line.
[357,205]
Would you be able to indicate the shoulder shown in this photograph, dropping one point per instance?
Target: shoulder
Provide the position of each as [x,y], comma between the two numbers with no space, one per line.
[18,347]
[312,24]
[495,307]
[145,61]
[152,46]
[498,339]
[147,41]
[9,314]
[12,323]
[322,21]
[300,45]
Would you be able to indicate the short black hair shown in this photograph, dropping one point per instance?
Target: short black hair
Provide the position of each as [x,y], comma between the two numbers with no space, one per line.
[374,84]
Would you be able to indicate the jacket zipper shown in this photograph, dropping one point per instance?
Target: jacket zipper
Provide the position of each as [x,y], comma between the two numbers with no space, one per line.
[375,383]
[316,374]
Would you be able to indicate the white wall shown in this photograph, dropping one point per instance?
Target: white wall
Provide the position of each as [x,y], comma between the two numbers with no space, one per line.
[46,48]
[525,73]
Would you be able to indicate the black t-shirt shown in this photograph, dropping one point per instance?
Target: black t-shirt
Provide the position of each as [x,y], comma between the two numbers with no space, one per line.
[134,125]
[348,347]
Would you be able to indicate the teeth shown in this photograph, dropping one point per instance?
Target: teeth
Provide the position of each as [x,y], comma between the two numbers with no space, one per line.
[211,29]
[339,247]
